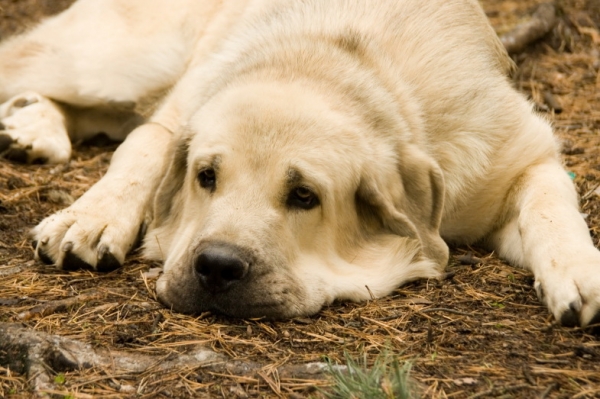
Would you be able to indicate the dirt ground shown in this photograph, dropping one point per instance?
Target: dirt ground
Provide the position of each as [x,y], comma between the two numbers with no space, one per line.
[479,333]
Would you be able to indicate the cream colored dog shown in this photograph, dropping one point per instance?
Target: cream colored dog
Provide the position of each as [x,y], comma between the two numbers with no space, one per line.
[307,151]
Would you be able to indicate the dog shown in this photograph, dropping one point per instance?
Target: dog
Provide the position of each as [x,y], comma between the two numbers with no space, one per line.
[303,151]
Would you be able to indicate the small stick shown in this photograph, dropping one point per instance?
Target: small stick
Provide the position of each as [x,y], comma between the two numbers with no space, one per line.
[56,306]
[550,388]
[528,377]
[489,392]
[551,361]
[469,259]
[458,312]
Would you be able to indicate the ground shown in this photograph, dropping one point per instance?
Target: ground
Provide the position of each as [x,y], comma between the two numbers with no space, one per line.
[481,332]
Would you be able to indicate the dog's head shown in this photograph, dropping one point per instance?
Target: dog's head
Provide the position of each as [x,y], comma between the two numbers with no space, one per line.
[278,202]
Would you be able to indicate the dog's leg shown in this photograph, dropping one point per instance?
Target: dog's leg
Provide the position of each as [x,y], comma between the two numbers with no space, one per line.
[96,56]
[98,52]
[102,226]
[545,233]
[36,129]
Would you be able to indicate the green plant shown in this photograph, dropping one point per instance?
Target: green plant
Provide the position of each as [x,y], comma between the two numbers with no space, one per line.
[386,379]
[60,379]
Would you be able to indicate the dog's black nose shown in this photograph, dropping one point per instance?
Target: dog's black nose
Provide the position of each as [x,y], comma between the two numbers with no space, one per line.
[220,266]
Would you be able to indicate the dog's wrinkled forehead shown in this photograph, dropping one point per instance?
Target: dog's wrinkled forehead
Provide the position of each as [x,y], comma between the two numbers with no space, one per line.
[282,128]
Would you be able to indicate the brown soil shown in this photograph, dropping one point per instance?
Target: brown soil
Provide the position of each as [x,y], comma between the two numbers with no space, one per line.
[480,332]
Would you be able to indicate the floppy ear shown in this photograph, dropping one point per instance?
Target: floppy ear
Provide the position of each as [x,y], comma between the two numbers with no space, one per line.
[423,200]
[167,203]
[169,190]
[407,201]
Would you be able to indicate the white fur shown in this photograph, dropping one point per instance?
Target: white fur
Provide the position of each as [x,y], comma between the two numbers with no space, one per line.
[397,114]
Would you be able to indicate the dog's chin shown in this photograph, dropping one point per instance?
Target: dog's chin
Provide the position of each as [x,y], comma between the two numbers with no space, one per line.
[245,300]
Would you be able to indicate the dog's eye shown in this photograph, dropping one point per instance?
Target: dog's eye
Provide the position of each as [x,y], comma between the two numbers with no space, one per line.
[303,198]
[207,178]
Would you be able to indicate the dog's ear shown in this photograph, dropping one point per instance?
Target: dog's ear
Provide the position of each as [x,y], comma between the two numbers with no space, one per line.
[169,190]
[407,201]
[168,201]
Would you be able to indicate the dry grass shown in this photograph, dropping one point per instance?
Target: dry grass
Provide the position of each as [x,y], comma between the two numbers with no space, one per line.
[479,333]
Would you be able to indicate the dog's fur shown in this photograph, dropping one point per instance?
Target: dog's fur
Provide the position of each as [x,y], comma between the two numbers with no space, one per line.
[307,151]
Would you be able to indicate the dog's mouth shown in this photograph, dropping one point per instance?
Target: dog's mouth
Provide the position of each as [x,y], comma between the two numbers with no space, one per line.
[267,308]
[232,286]
[239,302]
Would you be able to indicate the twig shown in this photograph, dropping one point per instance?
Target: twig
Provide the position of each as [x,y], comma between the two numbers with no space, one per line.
[11,271]
[542,21]
[33,350]
[272,384]
[469,259]
[57,306]
[550,388]
[590,192]
[458,312]
[29,352]
[499,389]
[528,377]
[551,361]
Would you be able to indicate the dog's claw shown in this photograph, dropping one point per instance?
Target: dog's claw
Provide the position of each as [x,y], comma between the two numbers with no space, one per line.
[106,260]
[41,254]
[68,247]
[102,251]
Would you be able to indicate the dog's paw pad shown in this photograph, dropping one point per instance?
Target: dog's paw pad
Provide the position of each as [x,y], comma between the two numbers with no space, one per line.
[18,155]
[5,141]
[44,257]
[74,262]
[10,149]
[570,317]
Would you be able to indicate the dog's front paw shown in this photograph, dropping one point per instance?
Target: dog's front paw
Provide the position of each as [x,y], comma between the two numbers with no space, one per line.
[572,292]
[95,237]
[32,129]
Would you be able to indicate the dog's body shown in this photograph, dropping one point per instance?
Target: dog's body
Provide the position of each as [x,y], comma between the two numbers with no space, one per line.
[306,150]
